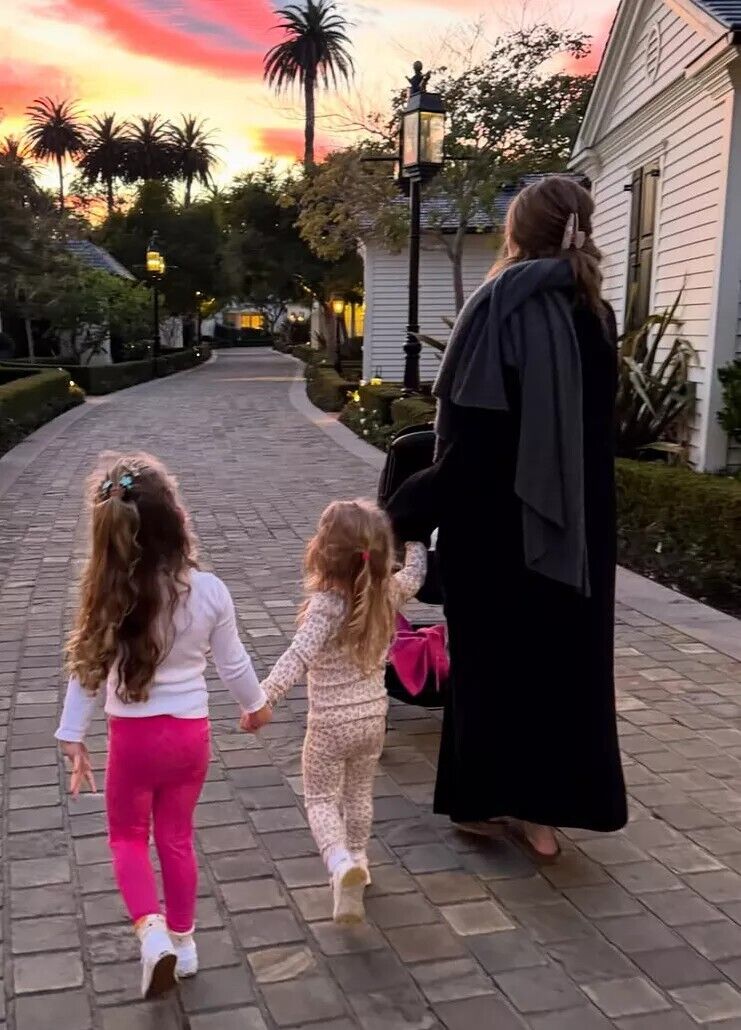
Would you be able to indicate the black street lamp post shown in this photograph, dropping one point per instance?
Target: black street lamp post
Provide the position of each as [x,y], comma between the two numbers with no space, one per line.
[421,157]
[155,270]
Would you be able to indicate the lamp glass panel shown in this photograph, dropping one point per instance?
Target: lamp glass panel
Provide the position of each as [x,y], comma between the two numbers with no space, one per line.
[432,138]
[411,139]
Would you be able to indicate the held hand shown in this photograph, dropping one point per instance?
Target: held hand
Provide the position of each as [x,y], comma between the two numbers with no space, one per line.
[81,767]
[251,722]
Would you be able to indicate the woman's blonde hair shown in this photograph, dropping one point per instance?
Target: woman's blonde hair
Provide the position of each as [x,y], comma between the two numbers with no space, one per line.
[536,228]
[141,553]
[352,553]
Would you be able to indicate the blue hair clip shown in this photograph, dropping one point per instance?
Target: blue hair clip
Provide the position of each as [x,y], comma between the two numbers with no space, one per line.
[126,481]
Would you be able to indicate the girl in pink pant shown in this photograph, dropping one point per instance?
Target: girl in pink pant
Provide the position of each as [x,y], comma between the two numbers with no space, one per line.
[147,619]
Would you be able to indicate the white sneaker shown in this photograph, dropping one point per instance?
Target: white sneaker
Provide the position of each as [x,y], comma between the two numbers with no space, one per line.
[158,957]
[348,886]
[187,955]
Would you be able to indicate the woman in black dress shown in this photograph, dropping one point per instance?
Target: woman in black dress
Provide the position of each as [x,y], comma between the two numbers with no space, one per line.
[529,731]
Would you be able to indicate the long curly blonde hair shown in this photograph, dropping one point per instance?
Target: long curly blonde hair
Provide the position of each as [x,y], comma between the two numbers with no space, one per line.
[352,553]
[142,550]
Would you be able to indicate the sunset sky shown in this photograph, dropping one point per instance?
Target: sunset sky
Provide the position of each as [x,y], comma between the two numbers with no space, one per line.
[205,57]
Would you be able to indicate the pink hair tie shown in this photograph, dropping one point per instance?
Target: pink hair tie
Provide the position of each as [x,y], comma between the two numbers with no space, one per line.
[365,555]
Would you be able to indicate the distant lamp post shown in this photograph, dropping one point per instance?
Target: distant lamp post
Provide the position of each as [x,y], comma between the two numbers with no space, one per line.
[422,155]
[338,309]
[199,306]
[156,267]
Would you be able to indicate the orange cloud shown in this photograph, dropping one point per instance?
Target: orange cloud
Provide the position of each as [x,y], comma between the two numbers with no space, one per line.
[282,143]
[22,83]
[139,34]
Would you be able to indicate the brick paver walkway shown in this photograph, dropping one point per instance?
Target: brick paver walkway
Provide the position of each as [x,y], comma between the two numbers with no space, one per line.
[639,930]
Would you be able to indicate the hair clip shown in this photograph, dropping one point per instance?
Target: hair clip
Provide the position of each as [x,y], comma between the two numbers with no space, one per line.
[574,237]
[108,488]
[126,481]
[365,555]
[105,487]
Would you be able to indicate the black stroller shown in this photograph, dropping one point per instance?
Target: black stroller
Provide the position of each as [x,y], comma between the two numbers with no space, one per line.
[411,451]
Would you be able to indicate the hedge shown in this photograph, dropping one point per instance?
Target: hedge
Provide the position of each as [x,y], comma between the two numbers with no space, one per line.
[412,411]
[325,388]
[682,529]
[379,399]
[28,399]
[101,379]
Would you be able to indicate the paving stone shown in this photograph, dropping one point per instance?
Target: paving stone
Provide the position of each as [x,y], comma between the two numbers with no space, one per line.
[234,1019]
[590,959]
[484,1013]
[314,902]
[275,965]
[38,872]
[241,865]
[572,1019]
[518,893]
[251,895]
[341,940]
[451,980]
[58,972]
[428,858]
[277,819]
[710,1003]
[645,878]
[424,943]
[719,940]
[217,989]
[603,900]
[219,839]
[104,910]
[670,1020]
[275,926]
[302,872]
[631,997]
[548,990]
[158,1015]
[680,908]
[50,934]
[318,999]
[476,917]
[511,949]
[638,933]
[215,949]
[396,1008]
[686,858]
[390,879]
[389,911]
[676,967]
[368,970]
[42,901]
[717,887]
[70,1010]
[558,922]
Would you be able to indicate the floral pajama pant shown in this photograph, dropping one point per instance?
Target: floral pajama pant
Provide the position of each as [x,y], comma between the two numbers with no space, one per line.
[339,765]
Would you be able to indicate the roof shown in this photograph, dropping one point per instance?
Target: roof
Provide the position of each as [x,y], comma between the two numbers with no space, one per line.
[727,12]
[439,213]
[98,258]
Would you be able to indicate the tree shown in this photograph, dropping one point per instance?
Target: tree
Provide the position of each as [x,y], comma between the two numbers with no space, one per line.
[508,115]
[56,132]
[314,51]
[14,156]
[150,152]
[86,305]
[194,154]
[106,153]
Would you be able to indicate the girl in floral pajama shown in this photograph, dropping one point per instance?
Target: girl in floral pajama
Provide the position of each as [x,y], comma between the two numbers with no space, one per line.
[345,629]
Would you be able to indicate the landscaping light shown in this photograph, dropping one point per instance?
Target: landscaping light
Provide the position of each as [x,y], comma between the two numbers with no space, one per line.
[375,381]
[338,306]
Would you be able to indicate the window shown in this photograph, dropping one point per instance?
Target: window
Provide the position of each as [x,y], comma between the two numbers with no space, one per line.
[644,192]
[252,320]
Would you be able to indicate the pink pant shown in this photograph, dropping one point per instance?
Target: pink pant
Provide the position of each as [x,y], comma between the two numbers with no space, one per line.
[156,769]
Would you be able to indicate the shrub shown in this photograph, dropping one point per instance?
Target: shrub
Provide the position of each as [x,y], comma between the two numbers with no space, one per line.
[682,529]
[367,426]
[730,414]
[379,399]
[412,411]
[328,390]
[28,399]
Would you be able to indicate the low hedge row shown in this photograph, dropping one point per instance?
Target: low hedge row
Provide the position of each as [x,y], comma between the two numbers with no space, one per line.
[378,399]
[29,399]
[325,388]
[682,529]
[101,379]
[412,411]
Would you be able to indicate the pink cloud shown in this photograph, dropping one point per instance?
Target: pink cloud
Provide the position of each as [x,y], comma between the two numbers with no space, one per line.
[284,142]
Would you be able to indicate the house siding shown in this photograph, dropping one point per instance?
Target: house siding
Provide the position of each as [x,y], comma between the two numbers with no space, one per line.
[680,44]
[386,291]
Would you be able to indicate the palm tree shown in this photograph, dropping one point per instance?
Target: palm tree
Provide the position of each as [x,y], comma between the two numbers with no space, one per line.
[194,153]
[14,157]
[55,132]
[106,153]
[315,49]
[150,153]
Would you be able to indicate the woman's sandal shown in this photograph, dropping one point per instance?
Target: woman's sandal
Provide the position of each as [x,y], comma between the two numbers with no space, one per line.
[518,835]
[482,827]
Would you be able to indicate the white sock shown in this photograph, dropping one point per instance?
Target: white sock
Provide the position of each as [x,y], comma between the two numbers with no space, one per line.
[335,857]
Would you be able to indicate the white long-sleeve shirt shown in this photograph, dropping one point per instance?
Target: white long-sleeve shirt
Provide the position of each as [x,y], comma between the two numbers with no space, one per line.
[204,621]
[339,691]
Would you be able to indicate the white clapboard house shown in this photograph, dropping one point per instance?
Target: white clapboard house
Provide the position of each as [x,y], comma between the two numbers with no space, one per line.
[661,143]
[386,280]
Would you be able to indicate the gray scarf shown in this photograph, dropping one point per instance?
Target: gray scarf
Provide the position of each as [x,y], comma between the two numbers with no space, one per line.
[522,319]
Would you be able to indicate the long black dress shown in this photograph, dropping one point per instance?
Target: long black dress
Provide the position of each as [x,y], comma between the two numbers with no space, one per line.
[530,728]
